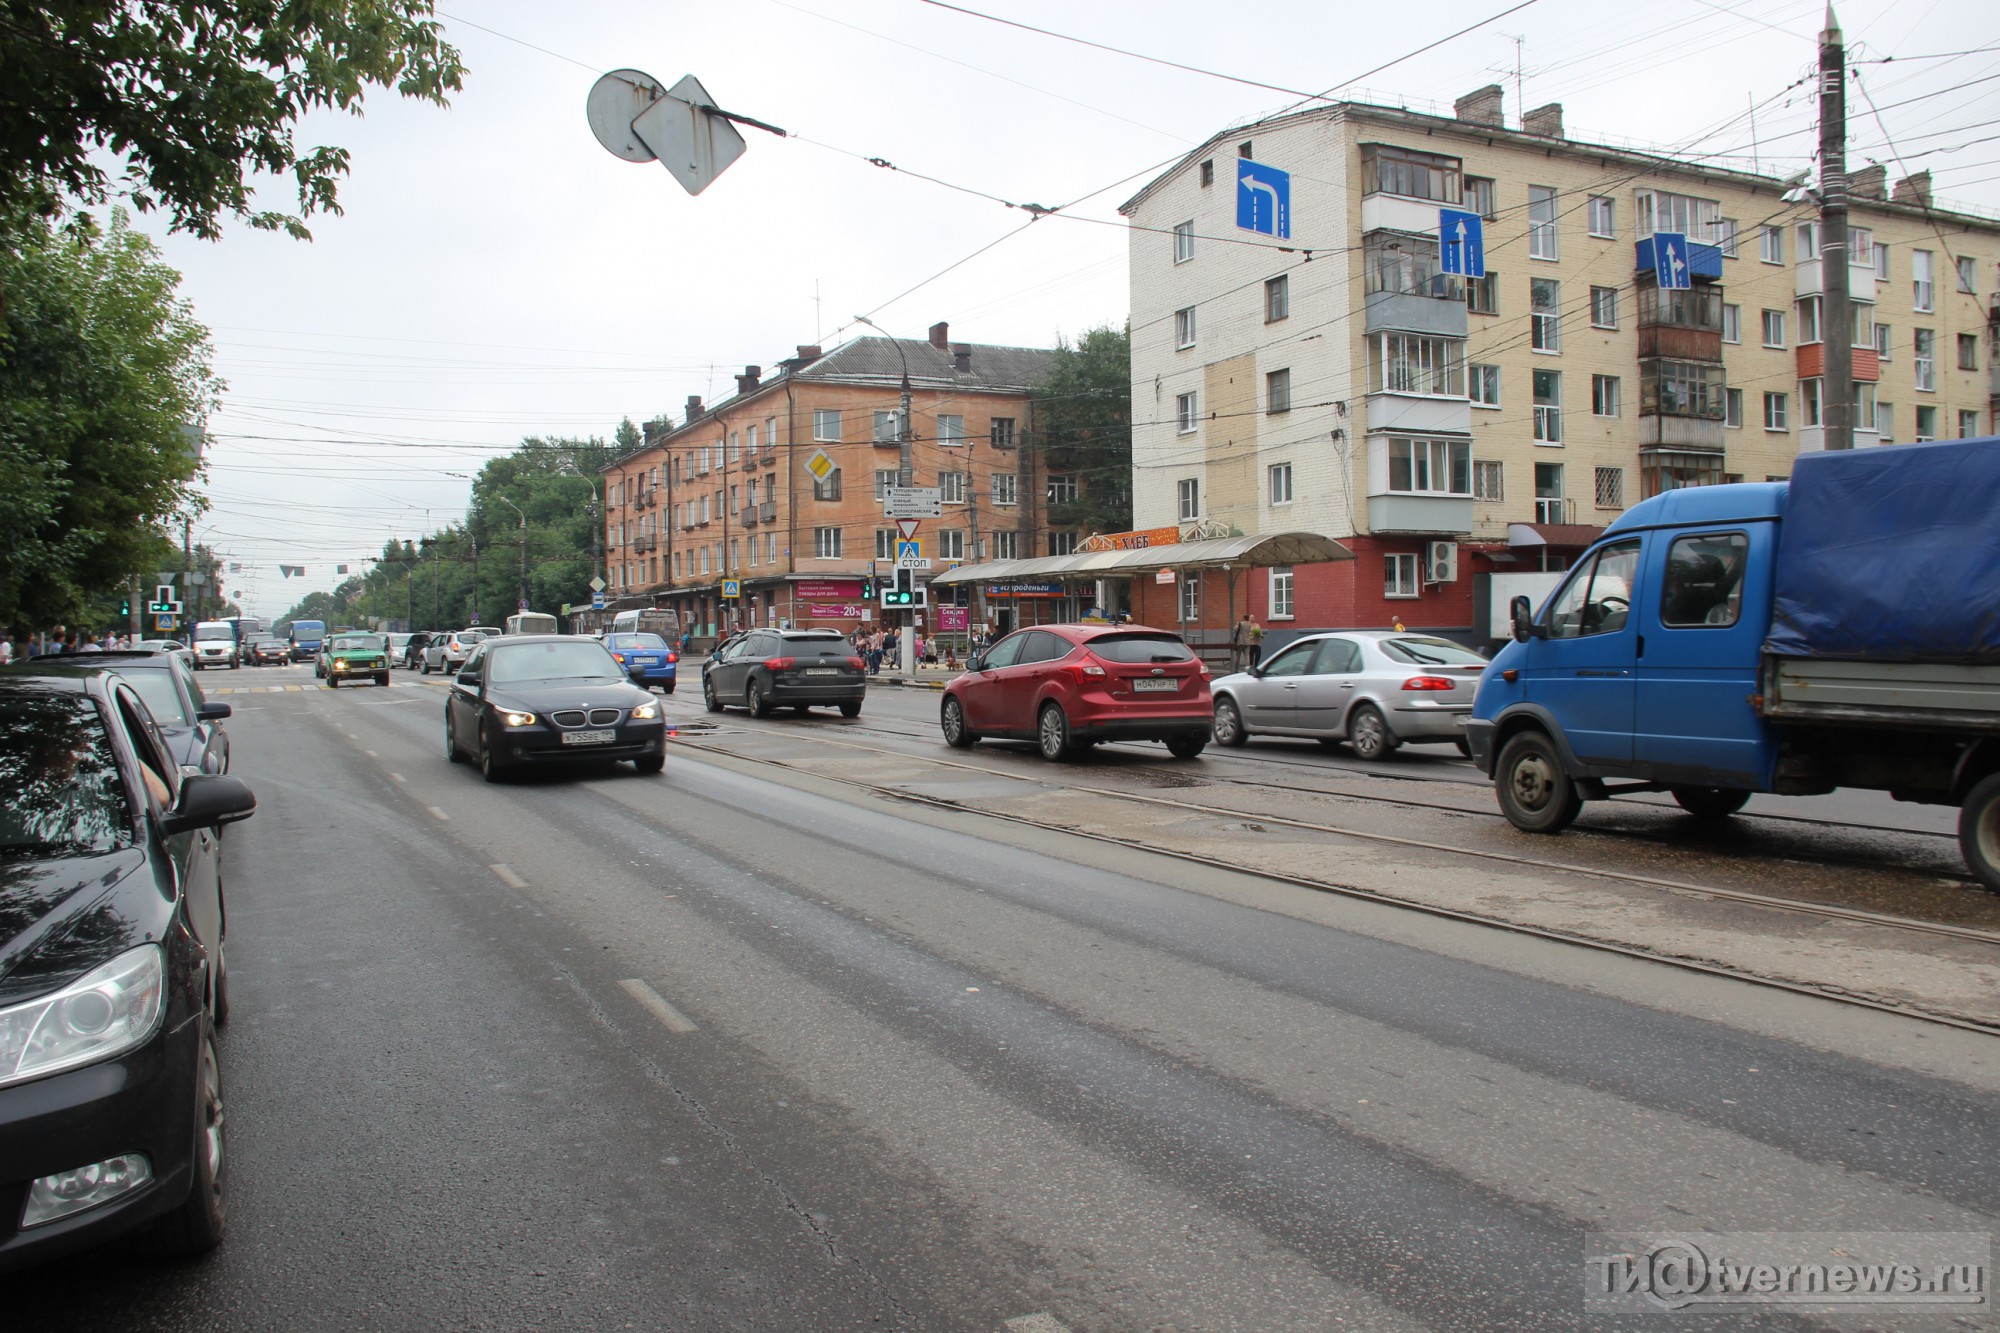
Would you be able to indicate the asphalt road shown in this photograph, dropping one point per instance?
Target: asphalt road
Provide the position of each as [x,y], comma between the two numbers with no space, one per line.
[711,1050]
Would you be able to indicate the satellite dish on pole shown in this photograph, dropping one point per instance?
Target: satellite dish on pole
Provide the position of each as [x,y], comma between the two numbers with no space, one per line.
[615,101]
[636,119]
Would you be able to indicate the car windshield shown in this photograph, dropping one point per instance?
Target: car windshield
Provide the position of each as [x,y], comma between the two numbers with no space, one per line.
[357,643]
[214,632]
[156,687]
[576,659]
[1139,648]
[1431,652]
[639,641]
[61,779]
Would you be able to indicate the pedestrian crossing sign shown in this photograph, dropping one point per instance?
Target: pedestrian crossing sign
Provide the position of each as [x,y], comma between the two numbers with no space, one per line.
[732,588]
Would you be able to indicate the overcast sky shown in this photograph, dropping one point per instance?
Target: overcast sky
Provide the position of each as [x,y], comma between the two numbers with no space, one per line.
[498,275]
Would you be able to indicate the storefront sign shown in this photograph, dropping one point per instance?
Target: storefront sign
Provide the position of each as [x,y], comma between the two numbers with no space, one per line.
[833,611]
[954,619]
[1131,541]
[1025,590]
[827,590]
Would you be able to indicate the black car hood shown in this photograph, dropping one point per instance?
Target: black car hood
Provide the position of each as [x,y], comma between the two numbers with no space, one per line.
[536,696]
[54,918]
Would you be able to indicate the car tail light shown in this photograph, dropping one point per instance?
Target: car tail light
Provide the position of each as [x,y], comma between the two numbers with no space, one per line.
[1429,683]
[780,663]
[618,657]
[1084,671]
[672,657]
[857,664]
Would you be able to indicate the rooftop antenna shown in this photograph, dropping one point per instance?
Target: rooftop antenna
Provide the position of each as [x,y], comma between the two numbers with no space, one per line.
[1751,98]
[1520,96]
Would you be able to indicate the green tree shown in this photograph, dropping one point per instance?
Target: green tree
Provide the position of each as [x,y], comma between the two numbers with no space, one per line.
[102,365]
[1083,425]
[192,97]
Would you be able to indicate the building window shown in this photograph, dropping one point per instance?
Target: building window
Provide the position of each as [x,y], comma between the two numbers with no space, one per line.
[1389,170]
[1968,424]
[1808,242]
[1281,592]
[1208,172]
[1732,408]
[1774,328]
[1968,274]
[750,440]
[1409,363]
[885,477]
[1430,467]
[1611,488]
[1771,245]
[885,543]
[1926,424]
[1661,472]
[826,546]
[1184,327]
[1062,488]
[1548,407]
[828,489]
[1732,323]
[885,427]
[771,548]
[951,543]
[1604,395]
[1775,411]
[1603,218]
[771,434]
[1278,391]
[1479,195]
[1659,210]
[1482,385]
[1725,237]
[1881,261]
[1006,488]
[1925,358]
[1281,483]
[1885,421]
[1277,298]
[1808,320]
[1190,496]
[1186,418]
[1001,432]
[826,423]
[1809,402]
[1545,314]
[1550,506]
[1541,222]
[1007,545]
[1183,242]
[1482,295]
[1399,574]
[1062,543]
[1604,307]
[735,552]
[1190,599]
[951,429]
[1489,480]
[1923,281]
[704,552]
[1968,351]
[951,487]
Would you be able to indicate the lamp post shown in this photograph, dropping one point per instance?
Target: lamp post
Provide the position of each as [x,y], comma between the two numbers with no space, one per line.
[437,577]
[907,640]
[524,548]
[596,517]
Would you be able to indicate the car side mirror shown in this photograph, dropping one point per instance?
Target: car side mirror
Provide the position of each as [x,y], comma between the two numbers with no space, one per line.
[976,662]
[1525,627]
[468,678]
[213,712]
[208,800]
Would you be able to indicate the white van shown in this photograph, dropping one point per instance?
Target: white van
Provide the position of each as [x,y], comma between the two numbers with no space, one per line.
[215,645]
[532,622]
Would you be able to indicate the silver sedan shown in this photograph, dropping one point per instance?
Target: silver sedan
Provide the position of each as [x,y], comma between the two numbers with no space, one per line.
[1373,689]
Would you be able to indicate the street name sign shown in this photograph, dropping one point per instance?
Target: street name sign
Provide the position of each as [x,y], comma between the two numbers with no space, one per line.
[914,502]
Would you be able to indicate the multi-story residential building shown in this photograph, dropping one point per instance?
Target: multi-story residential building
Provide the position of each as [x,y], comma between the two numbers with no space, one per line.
[732,494]
[1303,361]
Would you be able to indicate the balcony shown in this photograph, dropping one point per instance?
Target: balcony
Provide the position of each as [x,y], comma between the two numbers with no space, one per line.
[1812,363]
[1420,515]
[1809,279]
[747,516]
[767,512]
[770,456]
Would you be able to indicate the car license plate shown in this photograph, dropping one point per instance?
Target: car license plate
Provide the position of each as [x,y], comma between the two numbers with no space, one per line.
[589,737]
[1155,686]
[822,671]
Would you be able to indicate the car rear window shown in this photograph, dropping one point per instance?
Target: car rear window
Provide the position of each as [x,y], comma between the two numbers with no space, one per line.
[1139,648]
[64,796]
[640,641]
[1431,652]
[820,645]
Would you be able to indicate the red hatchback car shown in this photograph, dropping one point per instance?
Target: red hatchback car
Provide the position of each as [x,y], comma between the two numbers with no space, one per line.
[1067,687]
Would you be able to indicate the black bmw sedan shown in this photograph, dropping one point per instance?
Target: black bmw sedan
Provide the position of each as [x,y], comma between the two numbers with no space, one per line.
[527,699]
[112,975]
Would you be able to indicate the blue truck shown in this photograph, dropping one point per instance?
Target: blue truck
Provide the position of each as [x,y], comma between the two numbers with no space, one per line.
[1841,629]
[306,637]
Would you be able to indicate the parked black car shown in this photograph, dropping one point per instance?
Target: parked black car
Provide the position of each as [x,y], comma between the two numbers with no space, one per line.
[190,724]
[112,973]
[776,668]
[266,650]
[526,699]
[413,651]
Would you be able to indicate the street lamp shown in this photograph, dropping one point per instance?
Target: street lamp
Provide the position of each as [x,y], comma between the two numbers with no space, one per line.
[596,515]
[524,548]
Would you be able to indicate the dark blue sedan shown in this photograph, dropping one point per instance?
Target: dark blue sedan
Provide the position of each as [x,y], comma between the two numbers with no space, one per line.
[646,658]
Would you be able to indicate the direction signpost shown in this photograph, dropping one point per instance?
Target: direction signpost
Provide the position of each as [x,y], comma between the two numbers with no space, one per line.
[914,502]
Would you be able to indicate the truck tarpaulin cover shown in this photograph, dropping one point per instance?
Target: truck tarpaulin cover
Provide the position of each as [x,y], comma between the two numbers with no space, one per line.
[1892,555]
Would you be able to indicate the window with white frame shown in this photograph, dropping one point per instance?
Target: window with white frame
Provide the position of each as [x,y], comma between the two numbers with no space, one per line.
[826,546]
[1413,363]
[1545,314]
[1184,327]
[771,433]
[1007,545]
[1062,487]
[1926,424]
[1190,498]
[1725,237]
[1808,320]
[1482,385]
[1277,298]
[1923,281]
[770,548]
[1732,408]
[1885,421]
[1660,210]
[1489,479]
[1611,488]
[1774,328]
[826,423]
[1809,402]
[1776,411]
[1881,257]
[1603,217]
[1604,395]
[1006,488]
[1280,592]
[1924,359]
[1882,334]
[885,477]
[1190,598]
[885,543]
[735,552]
[1968,274]
[1732,323]
[1548,407]
[1479,195]
[1968,424]
[1399,574]
[1541,222]
[951,429]
[1281,483]
[1771,245]
[1186,418]
[1000,432]
[1183,242]
[1604,307]
[885,426]
[951,543]
[951,487]
[704,554]
[1808,242]
[1429,467]
[1278,391]
[750,441]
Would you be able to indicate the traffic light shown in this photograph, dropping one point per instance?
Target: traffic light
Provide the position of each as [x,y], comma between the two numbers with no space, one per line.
[125,607]
[867,589]
[902,591]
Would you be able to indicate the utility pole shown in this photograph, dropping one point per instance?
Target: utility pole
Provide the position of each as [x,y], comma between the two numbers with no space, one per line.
[473,596]
[1836,311]
[190,600]
[523,596]
[904,474]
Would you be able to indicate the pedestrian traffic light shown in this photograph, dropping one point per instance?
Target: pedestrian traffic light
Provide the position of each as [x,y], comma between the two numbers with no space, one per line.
[125,607]
[867,589]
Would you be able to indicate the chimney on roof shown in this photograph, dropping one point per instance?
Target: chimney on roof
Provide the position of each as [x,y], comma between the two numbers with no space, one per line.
[694,407]
[747,382]
[1546,121]
[806,355]
[941,336]
[1914,189]
[961,358]
[1481,106]
[647,433]
[1871,182]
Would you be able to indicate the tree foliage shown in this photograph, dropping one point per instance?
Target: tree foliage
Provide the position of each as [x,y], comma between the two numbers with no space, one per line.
[193,97]
[1083,424]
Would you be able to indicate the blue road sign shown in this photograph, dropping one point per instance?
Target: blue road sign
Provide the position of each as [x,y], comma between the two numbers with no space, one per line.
[597,601]
[1463,237]
[1670,261]
[1263,198]
[908,551]
[732,587]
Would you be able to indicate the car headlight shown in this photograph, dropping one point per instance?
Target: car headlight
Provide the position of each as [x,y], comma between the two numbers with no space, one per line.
[105,1012]
[517,719]
[646,711]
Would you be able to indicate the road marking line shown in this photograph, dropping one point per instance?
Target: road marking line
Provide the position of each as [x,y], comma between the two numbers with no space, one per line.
[508,877]
[371,754]
[439,814]
[397,777]
[672,1019]
[1036,1323]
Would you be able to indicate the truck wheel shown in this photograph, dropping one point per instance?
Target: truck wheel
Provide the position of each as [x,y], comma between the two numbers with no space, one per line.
[1535,793]
[1979,830]
[1710,802]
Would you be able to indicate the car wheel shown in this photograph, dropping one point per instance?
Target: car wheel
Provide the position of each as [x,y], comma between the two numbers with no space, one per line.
[332,683]
[382,679]
[1052,733]
[1367,734]
[667,688]
[1536,794]
[1979,830]
[489,763]
[1710,802]
[196,1226]
[1186,747]
[852,708]
[451,740]
[425,670]
[1463,746]
[708,699]
[1229,729]
[754,699]
[651,763]
[952,719]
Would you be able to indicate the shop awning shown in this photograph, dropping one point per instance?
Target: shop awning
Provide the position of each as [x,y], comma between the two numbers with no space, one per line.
[1285,548]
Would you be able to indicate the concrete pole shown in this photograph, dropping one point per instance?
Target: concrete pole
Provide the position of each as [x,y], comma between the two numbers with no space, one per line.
[1836,311]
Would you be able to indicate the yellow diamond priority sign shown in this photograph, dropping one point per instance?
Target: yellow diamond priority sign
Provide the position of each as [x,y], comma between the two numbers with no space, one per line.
[820,465]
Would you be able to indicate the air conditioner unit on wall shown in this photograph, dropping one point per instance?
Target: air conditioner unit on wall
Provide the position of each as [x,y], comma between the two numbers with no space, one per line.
[1440,562]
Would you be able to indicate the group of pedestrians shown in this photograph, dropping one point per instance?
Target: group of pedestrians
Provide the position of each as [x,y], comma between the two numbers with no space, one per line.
[18,645]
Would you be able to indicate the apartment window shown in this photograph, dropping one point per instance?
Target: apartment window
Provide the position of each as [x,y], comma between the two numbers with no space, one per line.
[1732,323]
[1482,295]
[1771,245]
[826,545]
[829,489]
[1775,405]
[1277,298]
[1604,307]
[704,550]
[1208,172]
[1006,546]
[1885,421]
[736,443]
[1925,358]
[771,433]
[1550,506]
[1278,391]
[1882,341]
[1662,472]
[1774,328]
[771,548]
[885,477]
[1545,314]
[1968,424]
[1881,256]
[826,423]
[1968,274]
[951,543]
[1000,432]
[1429,467]
[1604,395]
[735,552]
[1864,405]
[1808,320]
[1190,599]
[885,543]
[1732,408]
[1603,220]
[1809,403]
[1968,351]
[951,429]
[1183,242]
[1923,281]
[1390,170]
[750,441]
[1062,543]
[1725,237]
[1399,574]
[1190,498]
[1281,592]
[951,487]
[1658,210]
[1006,488]
[1062,488]
[1926,424]
[1479,195]
[1611,488]
[1482,385]
[1489,480]
[1186,418]
[885,427]
[1548,407]
[1808,242]
[1184,327]
[1281,483]
[1410,363]
[1541,222]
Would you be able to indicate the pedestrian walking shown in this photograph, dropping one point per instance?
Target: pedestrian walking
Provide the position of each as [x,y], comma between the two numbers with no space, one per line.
[1256,643]
[1239,643]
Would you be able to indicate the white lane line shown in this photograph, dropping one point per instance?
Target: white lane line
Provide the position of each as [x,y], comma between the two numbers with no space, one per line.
[438,814]
[371,754]
[1036,1323]
[397,777]
[508,877]
[672,1019]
